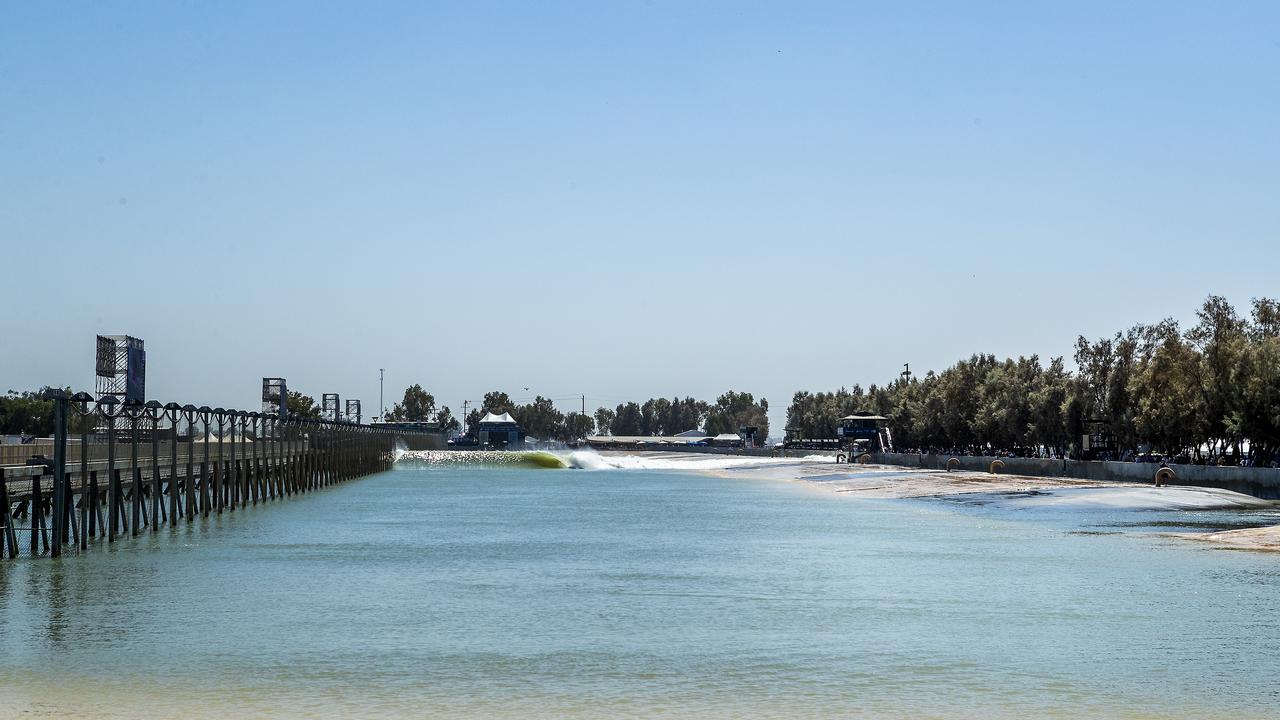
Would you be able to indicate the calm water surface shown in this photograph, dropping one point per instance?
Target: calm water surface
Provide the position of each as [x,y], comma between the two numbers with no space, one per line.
[514,592]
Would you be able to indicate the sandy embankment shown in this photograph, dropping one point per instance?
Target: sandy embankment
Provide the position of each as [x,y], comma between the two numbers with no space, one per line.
[891,481]
[1266,539]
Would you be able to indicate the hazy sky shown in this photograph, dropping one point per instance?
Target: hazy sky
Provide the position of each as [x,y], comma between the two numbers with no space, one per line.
[620,199]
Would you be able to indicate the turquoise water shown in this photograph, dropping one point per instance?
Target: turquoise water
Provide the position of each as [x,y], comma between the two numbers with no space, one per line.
[517,592]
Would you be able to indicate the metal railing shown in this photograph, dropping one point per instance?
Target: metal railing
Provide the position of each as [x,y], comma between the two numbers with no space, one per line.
[84,493]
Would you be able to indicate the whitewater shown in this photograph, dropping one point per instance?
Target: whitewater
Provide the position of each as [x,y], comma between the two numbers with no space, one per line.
[867,481]
[590,460]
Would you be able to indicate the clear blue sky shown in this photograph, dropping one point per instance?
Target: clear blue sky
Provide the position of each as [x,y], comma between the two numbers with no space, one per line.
[620,199]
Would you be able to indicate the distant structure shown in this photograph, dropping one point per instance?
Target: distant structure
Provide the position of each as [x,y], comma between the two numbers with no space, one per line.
[869,429]
[330,407]
[498,431]
[353,411]
[121,369]
[275,397]
[651,442]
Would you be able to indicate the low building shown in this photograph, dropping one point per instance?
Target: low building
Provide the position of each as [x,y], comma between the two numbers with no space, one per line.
[498,431]
[866,429]
[727,440]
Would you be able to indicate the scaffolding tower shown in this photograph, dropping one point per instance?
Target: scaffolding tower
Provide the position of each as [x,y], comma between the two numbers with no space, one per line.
[330,407]
[275,397]
[121,369]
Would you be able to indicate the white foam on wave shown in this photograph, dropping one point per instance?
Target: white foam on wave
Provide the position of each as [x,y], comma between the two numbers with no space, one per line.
[587,460]
[591,460]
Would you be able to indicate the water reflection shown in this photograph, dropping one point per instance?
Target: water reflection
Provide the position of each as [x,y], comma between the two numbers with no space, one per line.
[528,593]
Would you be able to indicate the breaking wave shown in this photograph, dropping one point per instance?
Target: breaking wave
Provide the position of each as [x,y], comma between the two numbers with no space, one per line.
[489,458]
[589,460]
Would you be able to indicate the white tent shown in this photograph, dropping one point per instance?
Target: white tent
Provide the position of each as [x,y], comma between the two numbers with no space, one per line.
[503,418]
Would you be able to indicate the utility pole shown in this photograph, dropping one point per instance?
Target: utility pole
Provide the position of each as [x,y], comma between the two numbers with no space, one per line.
[584,404]
[381,406]
[907,372]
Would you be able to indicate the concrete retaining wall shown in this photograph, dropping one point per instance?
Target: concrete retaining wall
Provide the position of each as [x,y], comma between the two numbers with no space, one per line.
[1259,482]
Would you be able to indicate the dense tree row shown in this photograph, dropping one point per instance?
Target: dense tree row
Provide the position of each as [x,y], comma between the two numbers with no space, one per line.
[656,416]
[1211,390]
[659,416]
[1207,391]
[539,419]
[418,405]
[27,413]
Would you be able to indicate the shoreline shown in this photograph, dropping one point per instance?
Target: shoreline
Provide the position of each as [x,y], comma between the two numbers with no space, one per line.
[1259,539]
[894,482]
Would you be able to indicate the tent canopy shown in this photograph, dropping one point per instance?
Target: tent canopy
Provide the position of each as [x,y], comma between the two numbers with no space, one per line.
[503,418]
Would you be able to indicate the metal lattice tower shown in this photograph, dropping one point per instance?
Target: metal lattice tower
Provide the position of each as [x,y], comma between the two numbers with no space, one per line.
[330,407]
[121,368]
[353,411]
[275,397]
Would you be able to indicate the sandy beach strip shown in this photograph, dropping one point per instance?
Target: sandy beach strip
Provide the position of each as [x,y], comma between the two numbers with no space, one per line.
[1261,539]
[896,482]
[1014,491]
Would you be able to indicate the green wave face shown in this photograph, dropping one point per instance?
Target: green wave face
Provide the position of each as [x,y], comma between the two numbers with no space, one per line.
[544,459]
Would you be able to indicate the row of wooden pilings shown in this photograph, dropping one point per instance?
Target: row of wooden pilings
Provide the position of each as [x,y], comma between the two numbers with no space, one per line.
[242,459]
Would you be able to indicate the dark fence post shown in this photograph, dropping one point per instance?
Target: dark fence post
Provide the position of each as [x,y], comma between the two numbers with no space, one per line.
[7,535]
[107,406]
[173,411]
[154,410]
[82,401]
[134,411]
[234,476]
[220,474]
[59,471]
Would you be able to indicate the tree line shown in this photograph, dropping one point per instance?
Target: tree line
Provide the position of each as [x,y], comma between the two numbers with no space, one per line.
[1205,391]
[1212,389]
[27,413]
[660,416]
[656,416]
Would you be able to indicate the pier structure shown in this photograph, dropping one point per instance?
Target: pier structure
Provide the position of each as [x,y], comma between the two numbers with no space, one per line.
[117,469]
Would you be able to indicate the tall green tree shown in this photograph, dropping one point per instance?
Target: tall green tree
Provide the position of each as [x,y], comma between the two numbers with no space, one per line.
[539,419]
[626,419]
[303,406]
[577,426]
[27,413]
[604,421]
[734,410]
[1219,336]
[418,405]
[446,420]
[1171,413]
